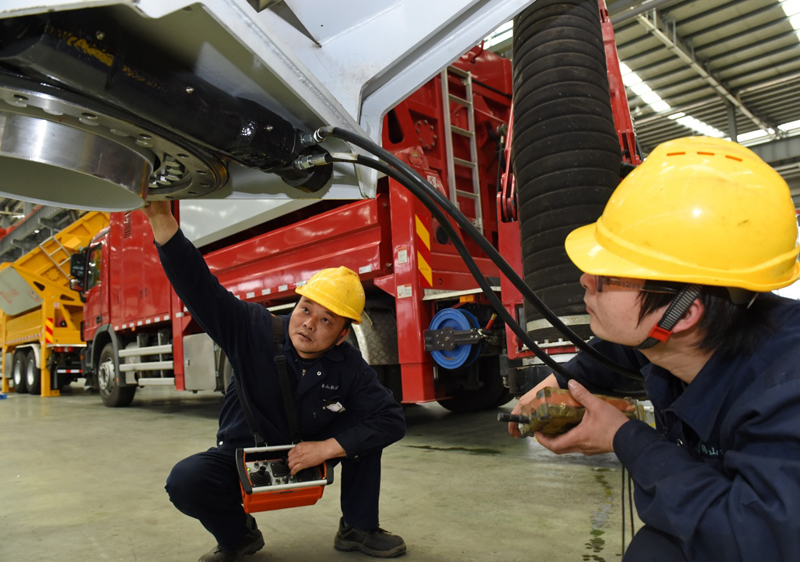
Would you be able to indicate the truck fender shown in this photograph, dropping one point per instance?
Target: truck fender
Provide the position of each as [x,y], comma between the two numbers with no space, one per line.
[105,332]
[37,352]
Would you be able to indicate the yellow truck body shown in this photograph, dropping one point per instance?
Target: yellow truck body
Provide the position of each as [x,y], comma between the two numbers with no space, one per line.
[40,315]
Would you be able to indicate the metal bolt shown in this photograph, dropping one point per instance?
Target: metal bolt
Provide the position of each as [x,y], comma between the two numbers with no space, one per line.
[100,35]
[189,90]
[269,128]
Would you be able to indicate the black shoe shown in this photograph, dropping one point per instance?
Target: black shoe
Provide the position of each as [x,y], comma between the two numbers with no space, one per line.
[377,543]
[252,542]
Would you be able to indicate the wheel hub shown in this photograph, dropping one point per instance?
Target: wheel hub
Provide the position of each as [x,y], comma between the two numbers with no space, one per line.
[106,376]
[30,373]
[58,147]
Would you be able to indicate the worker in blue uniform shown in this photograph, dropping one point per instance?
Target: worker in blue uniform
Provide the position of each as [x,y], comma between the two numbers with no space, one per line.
[678,274]
[344,413]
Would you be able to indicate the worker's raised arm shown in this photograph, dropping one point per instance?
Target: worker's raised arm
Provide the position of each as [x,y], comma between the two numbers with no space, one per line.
[161,220]
[221,315]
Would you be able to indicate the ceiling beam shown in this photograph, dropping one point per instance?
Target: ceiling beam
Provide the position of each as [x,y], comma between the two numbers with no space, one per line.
[625,10]
[781,152]
[653,24]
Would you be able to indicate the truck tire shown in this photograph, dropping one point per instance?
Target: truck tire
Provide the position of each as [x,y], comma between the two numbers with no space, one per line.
[33,375]
[18,372]
[491,394]
[113,394]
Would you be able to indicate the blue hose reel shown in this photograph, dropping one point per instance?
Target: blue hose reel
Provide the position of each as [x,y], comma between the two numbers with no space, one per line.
[462,355]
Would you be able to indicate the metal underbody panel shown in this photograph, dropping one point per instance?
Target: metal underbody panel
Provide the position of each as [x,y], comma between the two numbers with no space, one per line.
[311,62]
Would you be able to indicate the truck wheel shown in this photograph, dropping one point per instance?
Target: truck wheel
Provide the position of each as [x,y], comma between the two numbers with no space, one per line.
[491,394]
[113,394]
[18,373]
[33,375]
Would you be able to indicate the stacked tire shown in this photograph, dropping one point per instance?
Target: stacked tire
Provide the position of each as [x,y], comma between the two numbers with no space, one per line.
[566,154]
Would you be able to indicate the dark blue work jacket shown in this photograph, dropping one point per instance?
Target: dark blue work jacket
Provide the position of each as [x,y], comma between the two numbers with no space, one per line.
[370,419]
[721,471]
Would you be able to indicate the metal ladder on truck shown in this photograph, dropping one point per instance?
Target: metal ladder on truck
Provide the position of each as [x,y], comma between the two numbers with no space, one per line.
[469,133]
[54,244]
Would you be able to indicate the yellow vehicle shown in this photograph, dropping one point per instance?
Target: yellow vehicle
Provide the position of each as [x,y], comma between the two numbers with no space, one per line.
[41,316]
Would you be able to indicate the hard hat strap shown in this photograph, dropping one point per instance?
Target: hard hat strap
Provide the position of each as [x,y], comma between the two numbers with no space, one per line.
[677,308]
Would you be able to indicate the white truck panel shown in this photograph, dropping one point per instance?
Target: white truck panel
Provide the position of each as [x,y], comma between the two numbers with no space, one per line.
[314,62]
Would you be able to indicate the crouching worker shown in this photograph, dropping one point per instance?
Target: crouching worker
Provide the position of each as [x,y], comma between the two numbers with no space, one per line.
[678,272]
[324,372]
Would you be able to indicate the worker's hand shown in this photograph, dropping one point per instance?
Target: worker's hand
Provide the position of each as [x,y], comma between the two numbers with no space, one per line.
[153,209]
[595,433]
[525,401]
[313,453]
[163,223]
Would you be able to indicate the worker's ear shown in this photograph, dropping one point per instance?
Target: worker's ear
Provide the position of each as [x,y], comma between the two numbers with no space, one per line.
[342,336]
[691,317]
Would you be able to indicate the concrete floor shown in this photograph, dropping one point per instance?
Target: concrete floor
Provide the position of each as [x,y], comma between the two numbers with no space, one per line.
[81,482]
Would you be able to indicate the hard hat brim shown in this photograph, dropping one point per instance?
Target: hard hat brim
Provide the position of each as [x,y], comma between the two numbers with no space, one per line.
[591,257]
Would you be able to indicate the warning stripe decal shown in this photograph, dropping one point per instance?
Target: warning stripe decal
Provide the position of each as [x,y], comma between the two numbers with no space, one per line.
[424,253]
[48,330]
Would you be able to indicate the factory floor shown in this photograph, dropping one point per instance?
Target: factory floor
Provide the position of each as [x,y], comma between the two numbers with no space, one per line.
[81,482]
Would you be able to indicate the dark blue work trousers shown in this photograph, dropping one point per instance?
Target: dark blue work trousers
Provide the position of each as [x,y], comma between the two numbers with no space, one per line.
[206,486]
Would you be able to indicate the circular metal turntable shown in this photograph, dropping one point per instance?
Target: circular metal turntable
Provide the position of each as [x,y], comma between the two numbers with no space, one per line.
[63,149]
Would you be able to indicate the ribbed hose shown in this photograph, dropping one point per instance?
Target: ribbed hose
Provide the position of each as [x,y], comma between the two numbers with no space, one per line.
[566,155]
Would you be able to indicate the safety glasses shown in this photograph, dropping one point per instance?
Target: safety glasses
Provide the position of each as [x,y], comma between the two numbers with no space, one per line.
[632,284]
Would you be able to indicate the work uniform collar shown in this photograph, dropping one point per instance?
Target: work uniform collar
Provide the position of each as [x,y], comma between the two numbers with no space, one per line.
[701,401]
[316,369]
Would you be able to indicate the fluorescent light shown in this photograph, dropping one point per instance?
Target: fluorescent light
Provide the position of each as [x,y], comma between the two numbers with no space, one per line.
[631,79]
[791,7]
[651,98]
[700,127]
[660,106]
[752,135]
[790,125]
[676,115]
[634,82]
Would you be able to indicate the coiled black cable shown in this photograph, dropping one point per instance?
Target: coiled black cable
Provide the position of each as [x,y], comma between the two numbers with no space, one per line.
[464,253]
[424,191]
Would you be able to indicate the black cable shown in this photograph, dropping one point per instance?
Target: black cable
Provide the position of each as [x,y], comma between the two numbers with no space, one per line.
[630,503]
[462,250]
[462,221]
[423,197]
[623,510]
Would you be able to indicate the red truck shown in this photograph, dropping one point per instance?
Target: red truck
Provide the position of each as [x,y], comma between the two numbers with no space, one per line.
[138,332]
[453,132]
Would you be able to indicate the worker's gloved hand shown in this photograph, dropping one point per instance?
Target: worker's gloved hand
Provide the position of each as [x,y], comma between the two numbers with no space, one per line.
[595,433]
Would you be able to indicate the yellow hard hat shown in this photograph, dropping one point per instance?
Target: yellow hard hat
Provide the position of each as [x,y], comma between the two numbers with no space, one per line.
[698,210]
[338,289]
